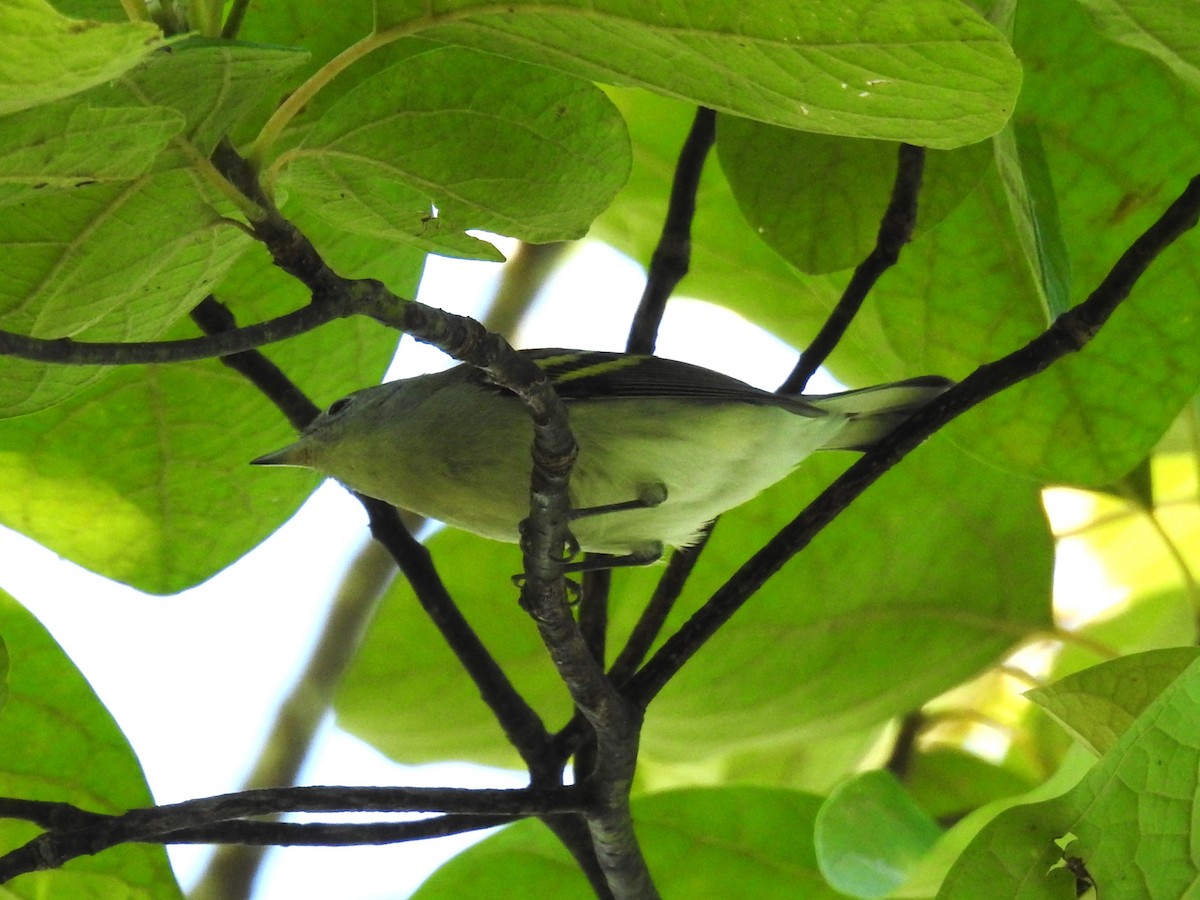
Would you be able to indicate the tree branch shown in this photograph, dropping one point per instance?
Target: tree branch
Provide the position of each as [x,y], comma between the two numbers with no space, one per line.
[1069,333]
[673,255]
[654,616]
[332,834]
[895,230]
[520,722]
[221,819]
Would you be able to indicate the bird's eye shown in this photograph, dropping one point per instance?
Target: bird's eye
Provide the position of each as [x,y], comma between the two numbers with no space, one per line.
[337,406]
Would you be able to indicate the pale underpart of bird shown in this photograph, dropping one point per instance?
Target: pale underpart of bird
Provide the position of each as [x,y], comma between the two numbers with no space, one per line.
[678,443]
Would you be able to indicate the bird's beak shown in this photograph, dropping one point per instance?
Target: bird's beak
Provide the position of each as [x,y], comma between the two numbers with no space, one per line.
[291,455]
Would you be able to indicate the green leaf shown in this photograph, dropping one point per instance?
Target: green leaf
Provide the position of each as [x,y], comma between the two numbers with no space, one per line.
[212,83]
[119,261]
[1021,161]
[1016,857]
[100,10]
[5,666]
[969,854]
[964,294]
[1132,816]
[124,260]
[309,25]
[931,72]
[1167,31]
[493,144]
[65,144]
[160,454]
[44,55]
[947,782]
[58,743]
[869,833]
[1099,704]
[733,842]
[818,200]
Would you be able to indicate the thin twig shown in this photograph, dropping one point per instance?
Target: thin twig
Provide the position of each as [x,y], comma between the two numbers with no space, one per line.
[1068,334]
[521,724]
[214,318]
[895,230]
[904,749]
[673,255]
[65,351]
[651,621]
[233,21]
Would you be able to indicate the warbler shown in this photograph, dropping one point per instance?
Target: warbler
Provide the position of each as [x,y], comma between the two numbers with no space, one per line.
[664,446]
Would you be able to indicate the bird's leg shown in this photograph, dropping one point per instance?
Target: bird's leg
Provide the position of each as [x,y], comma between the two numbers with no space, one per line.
[649,496]
[650,552]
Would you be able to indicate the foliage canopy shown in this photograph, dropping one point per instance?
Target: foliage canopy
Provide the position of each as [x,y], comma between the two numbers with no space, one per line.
[1057,131]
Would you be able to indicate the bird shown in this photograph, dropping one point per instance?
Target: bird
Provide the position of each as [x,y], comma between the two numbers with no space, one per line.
[664,446]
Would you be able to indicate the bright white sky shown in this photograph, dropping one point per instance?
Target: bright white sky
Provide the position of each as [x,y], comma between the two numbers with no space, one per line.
[198,722]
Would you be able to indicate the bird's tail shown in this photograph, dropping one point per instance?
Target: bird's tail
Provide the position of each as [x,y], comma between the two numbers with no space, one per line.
[875,412]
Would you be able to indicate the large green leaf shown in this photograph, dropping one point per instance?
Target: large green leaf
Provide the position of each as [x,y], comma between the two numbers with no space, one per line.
[309,25]
[1098,704]
[492,144]
[212,83]
[927,71]
[1132,817]
[817,200]
[965,292]
[44,55]
[1135,813]
[1015,857]
[1167,31]
[124,260]
[159,454]
[734,842]
[68,144]
[118,261]
[58,743]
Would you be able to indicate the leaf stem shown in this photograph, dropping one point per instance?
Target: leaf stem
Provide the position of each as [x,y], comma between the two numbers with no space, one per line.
[258,149]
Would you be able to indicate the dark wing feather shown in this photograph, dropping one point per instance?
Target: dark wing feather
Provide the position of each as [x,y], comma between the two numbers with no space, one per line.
[598,375]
